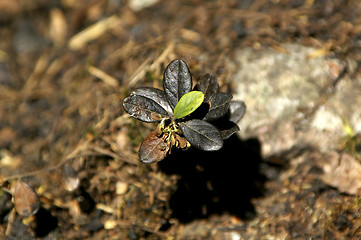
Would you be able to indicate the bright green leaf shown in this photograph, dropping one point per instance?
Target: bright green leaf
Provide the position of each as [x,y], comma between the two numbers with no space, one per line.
[188,103]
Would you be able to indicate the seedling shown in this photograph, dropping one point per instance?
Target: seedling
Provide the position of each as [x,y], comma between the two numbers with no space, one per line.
[201,117]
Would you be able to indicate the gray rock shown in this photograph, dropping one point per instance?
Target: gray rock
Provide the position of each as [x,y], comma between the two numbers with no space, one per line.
[291,99]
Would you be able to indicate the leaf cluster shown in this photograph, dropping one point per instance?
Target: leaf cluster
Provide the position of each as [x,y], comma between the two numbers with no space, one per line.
[200,116]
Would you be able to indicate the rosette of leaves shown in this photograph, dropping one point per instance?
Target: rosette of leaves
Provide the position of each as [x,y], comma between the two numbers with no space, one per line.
[201,116]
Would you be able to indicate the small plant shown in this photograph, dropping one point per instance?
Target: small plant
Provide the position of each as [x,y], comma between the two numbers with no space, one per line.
[202,117]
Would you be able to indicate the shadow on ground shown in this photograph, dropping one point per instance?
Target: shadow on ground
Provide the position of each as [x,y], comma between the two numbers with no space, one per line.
[216,182]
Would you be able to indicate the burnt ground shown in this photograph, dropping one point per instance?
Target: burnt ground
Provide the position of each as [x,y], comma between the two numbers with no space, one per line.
[66,66]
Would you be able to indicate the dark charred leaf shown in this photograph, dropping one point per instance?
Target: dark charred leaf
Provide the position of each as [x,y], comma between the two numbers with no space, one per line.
[188,103]
[142,108]
[229,129]
[219,106]
[156,95]
[153,148]
[208,85]
[237,109]
[71,179]
[202,135]
[26,200]
[177,81]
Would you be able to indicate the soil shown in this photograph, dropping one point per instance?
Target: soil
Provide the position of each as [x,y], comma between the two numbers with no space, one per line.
[66,66]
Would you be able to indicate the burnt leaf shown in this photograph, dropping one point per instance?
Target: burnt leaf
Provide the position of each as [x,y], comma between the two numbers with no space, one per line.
[142,108]
[26,200]
[237,109]
[219,105]
[153,148]
[230,129]
[208,85]
[202,135]
[181,142]
[156,95]
[188,103]
[177,81]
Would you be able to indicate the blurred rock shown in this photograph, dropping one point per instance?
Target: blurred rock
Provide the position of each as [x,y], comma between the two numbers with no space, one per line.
[341,171]
[294,100]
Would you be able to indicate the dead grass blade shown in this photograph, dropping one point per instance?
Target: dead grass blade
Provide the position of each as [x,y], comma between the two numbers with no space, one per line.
[107,79]
[93,32]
